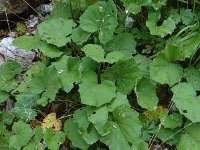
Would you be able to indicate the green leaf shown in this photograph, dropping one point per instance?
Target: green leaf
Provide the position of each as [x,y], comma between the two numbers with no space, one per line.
[191,138]
[53,140]
[99,118]
[98,115]
[3,96]
[126,129]
[2,129]
[90,135]
[68,70]
[188,46]
[87,65]
[167,27]
[99,94]
[104,129]
[171,52]
[79,5]
[101,17]
[143,64]
[135,6]
[169,136]
[27,42]
[35,142]
[119,100]
[97,53]
[157,4]
[172,121]
[45,82]
[186,16]
[124,74]
[71,131]
[85,129]
[56,31]
[80,117]
[113,57]
[6,117]
[193,77]
[8,85]
[186,101]
[22,135]
[4,137]
[23,107]
[61,10]
[165,72]
[34,69]
[8,73]
[49,50]
[146,94]
[127,44]
[4,143]
[9,70]
[34,42]
[187,141]
[79,36]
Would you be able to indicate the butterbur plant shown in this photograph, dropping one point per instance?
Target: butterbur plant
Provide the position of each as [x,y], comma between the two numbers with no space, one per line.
[98,87]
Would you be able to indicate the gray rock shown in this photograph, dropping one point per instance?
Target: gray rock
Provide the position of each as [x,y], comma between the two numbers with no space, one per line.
[129,22]
[32,22]
[8,51]
[44,8]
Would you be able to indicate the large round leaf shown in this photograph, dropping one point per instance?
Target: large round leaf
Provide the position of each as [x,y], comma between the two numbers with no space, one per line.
[193,77]
[80,36]
[56,31]
[68,71]
[100,17]
[97,53]
[190,138]
[165,72]
[126,129]
[34,42]
[186,101]
[167,27]
[94,94]
[124,74]
[22,135]
[146,94]
[127,44]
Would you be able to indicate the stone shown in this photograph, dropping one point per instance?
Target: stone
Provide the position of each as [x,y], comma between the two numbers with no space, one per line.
[45,8]
[129,22]
[32,22]
[9,51]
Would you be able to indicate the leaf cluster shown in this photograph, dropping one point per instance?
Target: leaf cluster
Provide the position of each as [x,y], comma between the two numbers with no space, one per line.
[113,83]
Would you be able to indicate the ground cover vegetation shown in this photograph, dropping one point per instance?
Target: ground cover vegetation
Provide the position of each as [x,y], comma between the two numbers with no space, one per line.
[116,74]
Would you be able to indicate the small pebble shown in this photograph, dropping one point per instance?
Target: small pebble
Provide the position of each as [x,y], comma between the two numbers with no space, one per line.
[129,22]
[32,22]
